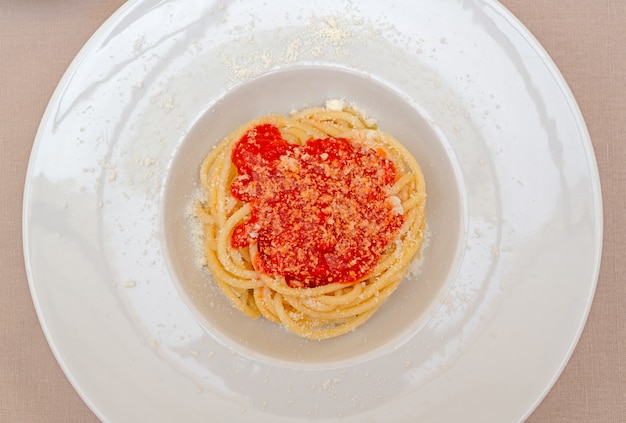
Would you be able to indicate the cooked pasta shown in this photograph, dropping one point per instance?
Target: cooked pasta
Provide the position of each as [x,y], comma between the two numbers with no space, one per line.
[311,220]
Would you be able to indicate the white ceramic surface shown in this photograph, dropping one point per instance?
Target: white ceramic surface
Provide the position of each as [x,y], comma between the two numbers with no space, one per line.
[515,164]
[432,274]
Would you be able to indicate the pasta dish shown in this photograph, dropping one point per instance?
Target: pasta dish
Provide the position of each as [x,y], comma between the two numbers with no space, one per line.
[311,220]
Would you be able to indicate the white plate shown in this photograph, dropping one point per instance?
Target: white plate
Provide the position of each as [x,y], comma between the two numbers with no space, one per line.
[508,305]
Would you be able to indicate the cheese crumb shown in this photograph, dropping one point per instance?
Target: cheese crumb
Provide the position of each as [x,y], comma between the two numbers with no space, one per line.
[149,161]
[396,205]
[371,122]
[335,105]
[138,45]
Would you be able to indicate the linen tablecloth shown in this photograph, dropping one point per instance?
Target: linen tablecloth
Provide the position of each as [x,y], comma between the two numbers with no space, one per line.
[585,38]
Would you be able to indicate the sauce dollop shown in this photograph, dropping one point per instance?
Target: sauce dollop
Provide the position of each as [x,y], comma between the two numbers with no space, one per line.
[319,211]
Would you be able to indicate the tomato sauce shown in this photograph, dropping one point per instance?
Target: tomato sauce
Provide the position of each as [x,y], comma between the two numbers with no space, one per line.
[319,211]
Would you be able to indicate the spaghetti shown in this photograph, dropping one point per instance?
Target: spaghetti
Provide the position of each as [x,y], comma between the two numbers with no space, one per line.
[311,220]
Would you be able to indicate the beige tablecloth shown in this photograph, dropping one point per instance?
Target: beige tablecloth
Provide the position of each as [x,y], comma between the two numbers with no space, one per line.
[586,39]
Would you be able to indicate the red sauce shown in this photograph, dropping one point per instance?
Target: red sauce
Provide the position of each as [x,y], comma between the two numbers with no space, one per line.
[319,212]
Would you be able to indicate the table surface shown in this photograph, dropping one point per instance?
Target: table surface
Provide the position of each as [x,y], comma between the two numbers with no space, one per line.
[585,38]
